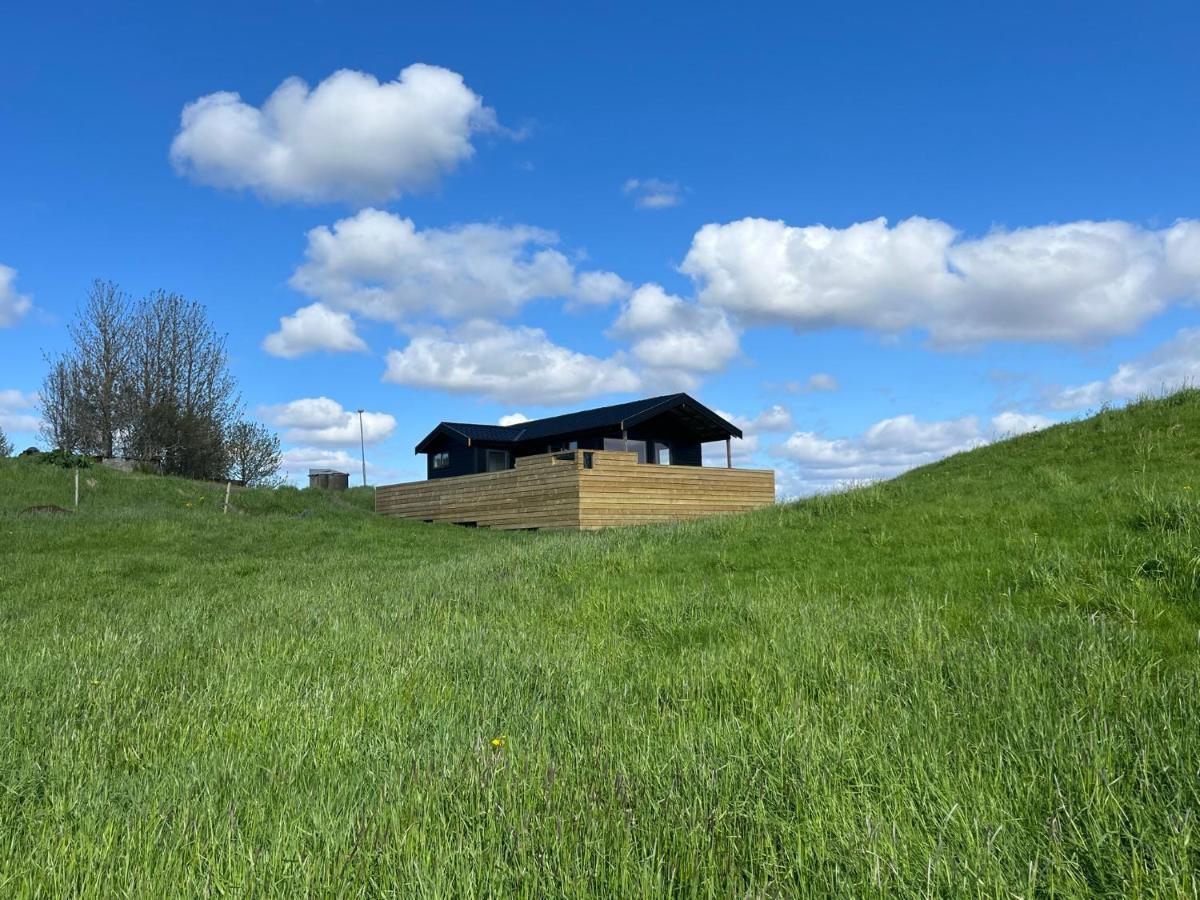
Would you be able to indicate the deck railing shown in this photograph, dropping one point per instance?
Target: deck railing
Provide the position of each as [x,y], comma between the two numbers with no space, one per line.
[579,489]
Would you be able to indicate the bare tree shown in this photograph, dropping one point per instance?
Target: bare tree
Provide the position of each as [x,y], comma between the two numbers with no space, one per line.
[183,396]
[83,398]
[148,380]
[6,447]
[254,456]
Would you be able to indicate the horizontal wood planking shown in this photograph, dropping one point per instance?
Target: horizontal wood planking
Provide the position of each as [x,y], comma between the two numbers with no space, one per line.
[541,492]
[560,491]
[624,494]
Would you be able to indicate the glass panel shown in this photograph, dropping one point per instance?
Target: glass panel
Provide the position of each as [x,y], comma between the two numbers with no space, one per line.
[663,454]
[638,447]
[497,460]
[441,460]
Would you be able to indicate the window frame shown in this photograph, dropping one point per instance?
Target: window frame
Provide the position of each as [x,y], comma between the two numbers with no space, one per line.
[623,445]
[487,459]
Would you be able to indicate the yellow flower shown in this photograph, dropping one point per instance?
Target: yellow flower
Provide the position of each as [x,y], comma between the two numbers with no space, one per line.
[1187,487]
[499,742]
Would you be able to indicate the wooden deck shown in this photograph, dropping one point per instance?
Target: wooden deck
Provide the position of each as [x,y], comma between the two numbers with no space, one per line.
[579,489]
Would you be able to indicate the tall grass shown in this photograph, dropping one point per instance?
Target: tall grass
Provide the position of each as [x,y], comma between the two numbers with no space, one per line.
[977,680]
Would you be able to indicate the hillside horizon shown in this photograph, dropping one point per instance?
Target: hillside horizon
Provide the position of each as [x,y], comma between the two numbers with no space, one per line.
[976,678]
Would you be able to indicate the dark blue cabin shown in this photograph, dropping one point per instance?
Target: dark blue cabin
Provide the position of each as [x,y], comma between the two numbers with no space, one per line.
[660,430]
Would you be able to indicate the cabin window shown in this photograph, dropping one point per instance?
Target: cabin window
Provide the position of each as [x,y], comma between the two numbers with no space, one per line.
[638,447]
[496,460]
[662,454]
[441,460]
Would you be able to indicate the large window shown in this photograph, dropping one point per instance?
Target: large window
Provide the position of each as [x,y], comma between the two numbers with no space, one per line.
[441,460]
[662,453]
[497,460]
[638,447]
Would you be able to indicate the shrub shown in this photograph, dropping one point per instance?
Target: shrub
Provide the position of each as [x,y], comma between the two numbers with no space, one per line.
[64,459]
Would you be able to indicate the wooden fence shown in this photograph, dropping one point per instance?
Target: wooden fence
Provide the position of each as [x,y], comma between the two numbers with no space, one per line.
[579,489]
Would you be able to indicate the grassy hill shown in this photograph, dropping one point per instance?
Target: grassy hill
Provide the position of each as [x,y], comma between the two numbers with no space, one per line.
[979,679]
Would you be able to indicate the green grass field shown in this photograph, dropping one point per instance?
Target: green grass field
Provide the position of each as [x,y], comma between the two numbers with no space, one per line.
[980,679]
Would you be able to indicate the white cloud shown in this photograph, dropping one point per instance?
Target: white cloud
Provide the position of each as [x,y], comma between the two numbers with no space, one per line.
[324,422]
[18,412]
[819,381]
[653,193]
[13,305]
[298,460]
[382,266]
[742,451]
[514,419]
[313,327]
[817,464]
[1171,366]
[772,419]
[600,288]
[511,365]
[349,138]
[1072,282]
[884,450]
[1012,422]
[672,335]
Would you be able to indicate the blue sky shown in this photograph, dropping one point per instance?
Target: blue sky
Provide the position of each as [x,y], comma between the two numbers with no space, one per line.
[874,234]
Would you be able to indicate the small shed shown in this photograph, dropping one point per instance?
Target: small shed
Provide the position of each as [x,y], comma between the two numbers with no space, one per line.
[328,479]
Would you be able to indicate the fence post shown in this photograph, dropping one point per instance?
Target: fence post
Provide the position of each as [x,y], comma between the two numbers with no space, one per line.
[228,485]
[77,489]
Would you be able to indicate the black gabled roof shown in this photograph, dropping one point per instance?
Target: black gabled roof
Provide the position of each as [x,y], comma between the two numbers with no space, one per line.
[709,425]
[476,432]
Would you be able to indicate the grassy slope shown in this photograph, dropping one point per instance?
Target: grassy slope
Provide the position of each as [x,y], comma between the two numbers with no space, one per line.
[979,678]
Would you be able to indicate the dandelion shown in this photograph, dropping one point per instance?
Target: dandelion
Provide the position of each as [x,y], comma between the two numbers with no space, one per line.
[499,742]
[188,505]
[1187,487]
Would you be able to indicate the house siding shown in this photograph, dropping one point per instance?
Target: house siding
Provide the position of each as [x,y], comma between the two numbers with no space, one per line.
[462,460]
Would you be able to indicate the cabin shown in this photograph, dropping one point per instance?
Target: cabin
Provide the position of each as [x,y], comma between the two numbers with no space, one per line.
[626,464]
[660,431]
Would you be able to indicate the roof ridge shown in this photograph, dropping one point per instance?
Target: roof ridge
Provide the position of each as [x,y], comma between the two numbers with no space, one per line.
[628,411]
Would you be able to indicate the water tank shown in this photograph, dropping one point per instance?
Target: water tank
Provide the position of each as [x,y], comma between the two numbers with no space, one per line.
[328,479]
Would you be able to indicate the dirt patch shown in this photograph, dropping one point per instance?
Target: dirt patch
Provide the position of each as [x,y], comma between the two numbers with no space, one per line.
[46,509]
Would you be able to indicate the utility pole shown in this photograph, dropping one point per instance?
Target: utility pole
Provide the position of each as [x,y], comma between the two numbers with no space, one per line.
[362,443]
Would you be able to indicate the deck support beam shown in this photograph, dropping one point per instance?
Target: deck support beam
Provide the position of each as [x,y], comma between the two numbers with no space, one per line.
[728,453]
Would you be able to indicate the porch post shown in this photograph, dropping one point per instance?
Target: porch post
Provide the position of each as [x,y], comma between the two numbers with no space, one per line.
[728,453]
